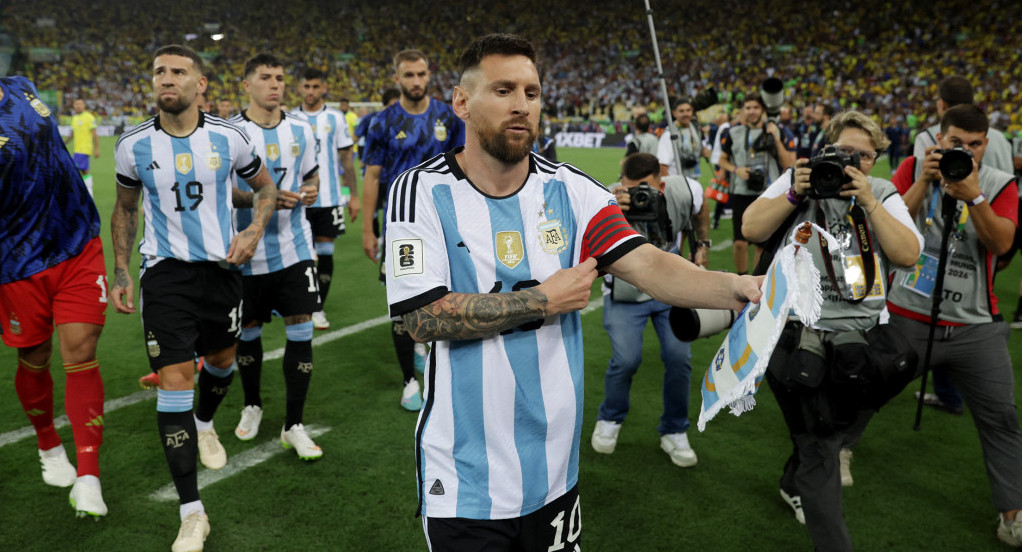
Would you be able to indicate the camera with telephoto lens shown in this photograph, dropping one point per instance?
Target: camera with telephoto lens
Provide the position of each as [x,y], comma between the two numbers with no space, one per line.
[688,160]
[955,163]
[691,324]
[827,175]
[644,203]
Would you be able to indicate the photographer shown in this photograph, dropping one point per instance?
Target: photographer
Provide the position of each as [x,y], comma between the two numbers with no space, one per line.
[822,376]
[690,142]
[972,339]
[658,208]
[642,140]
[755,153]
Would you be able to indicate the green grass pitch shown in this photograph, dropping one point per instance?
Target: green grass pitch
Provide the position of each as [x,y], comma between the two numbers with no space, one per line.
[923,490]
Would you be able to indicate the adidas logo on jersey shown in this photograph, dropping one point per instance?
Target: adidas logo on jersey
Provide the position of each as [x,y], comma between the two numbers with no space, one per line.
[152,166]
[401,135]
[437,488]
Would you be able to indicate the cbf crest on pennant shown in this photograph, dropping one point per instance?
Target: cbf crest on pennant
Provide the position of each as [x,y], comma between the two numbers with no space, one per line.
[510,249]
[183,162]
[440,131]
[272,152]
[551,237]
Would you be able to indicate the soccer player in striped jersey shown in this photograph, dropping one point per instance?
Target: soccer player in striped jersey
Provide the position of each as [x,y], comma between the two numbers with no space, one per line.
[281,277]
[401,136]
[51,273]
[491,252]
[180,163]
[335,160]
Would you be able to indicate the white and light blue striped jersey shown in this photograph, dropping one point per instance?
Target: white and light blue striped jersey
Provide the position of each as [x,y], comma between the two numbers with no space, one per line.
[186,186]
[498,436]
[331,130]
[289,151]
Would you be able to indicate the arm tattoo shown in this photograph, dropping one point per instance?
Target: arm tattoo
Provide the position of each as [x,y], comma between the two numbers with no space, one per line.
[124,227]
[265,202]
[475,315]
[241,199]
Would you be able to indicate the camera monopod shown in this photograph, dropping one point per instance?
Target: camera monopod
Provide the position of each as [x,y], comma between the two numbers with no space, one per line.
[675,138]
[947,212]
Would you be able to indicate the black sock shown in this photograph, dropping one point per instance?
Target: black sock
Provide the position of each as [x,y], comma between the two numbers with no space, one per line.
[212,390]
[1018,308]
[325,267]
[177,431]
[250,368]
[297,373]
[405,347]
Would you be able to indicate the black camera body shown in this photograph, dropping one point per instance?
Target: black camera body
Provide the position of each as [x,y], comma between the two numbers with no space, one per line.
[689,160]
[644,203]
[955,164]
[827,176]
[756,180]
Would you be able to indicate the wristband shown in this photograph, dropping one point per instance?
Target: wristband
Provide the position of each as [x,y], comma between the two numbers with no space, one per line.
[978,199]
[704,243]
[793,198]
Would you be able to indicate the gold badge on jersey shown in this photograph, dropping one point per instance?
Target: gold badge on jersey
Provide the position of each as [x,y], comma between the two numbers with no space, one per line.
[551,236]
[327,128]
[272,152]
[37,105]
[3,141]
[152,346]
[296,149]
[440,131]
[213,161]
[510,250]
[183,162]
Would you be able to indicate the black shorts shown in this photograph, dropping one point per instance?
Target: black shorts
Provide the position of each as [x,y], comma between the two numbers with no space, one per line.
[556,526]
[189,309]
[326,221]
[739,203]
[292,291]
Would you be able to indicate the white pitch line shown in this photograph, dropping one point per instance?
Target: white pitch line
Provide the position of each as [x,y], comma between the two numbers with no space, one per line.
[137,397]
[726,244]
[235,465]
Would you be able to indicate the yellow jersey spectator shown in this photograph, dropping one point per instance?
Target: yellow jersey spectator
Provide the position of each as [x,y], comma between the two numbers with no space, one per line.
[85,140]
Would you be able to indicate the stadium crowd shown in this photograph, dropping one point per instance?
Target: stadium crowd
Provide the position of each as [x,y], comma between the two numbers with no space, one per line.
[887,67]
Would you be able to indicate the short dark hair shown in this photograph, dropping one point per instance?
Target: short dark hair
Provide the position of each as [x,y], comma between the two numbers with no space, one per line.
[955,90]
[389,95]
[680,100]
[311,73]
[344,100]
[967,117]
[183,51]
[640,165]
[262,58]
[828,109]
[642,123]
[497,44]
[754,97]
[409,55]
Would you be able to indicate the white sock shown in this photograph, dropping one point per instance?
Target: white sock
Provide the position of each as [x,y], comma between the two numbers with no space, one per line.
[203,426]
[54,452]
[190,508]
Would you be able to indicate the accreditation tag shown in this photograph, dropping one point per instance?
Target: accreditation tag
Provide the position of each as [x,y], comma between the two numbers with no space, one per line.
[923,279]
[855,278]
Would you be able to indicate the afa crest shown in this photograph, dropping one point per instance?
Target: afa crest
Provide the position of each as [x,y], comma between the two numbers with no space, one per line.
[296,149]
[38,105]
[152,346]
[272,152]
[510,249]
[440,131]
[183,163]
[551,237]
[213,161]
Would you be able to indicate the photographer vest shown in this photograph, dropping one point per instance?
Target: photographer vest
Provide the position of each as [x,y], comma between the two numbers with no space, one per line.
[836,313]
[969,274]
[680,203]
[646,142]
[690,142]
[742,138]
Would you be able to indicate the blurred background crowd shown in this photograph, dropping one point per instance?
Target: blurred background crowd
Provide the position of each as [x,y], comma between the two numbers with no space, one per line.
[597,61]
